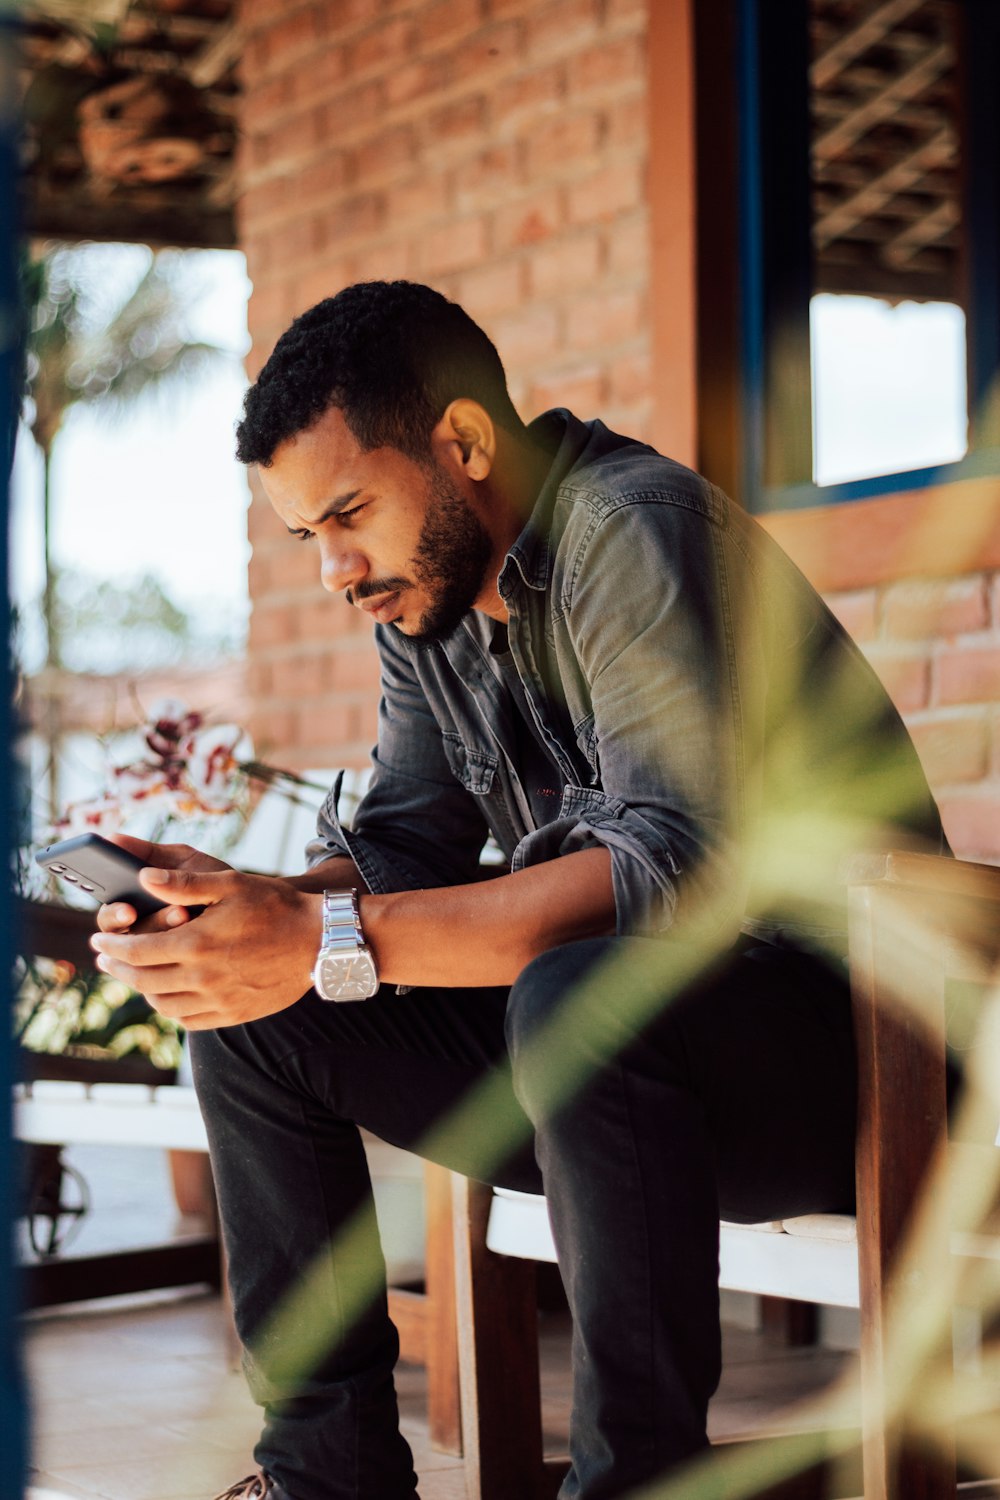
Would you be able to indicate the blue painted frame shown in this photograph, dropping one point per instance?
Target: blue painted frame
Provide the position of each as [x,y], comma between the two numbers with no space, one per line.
[980,22]
[13,1406]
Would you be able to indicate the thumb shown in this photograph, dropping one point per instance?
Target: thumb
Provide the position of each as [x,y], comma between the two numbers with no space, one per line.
[186,887]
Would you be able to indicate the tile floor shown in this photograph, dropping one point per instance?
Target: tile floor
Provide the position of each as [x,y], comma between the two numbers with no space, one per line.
[133,1398]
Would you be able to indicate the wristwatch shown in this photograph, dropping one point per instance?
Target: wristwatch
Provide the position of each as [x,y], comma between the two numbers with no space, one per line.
[345,968]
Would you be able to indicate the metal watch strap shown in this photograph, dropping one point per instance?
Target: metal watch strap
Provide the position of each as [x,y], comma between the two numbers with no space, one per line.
[341,922]
[345,968]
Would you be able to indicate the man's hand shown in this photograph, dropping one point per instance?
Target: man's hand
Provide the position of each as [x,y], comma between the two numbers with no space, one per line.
[121,917]
[248,954]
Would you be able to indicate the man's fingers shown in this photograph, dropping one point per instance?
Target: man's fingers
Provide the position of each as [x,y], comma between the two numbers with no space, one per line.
[187,887]
[120,917]
[152,980]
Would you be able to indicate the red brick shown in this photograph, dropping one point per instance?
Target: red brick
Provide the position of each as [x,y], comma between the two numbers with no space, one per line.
[626,10]
[274,733]
[631,377]
[628,123]
[426,197]
[326,724]
[381,48]
[566,265]
[582,390]
[608,66]
[323,69]
[528,221]
[417,79]
[350,217]
[605,194]
[324,280]
[535,95]
[293,138]
[356,669]
[488,178]
[972,823]
[494,288]
[512,7]
[271,99]
[906,677]
[476,57]
[920,609]
[339,17]
[564,146]
[294,35]
[629,245]
[271,625]
[349,112]
[456,126]
[394,261]
[525,337]
[448,18]
[385,155]
[453,247]
[302,676]
[971,676]
[562,26]
[295,242]
[953,750]
[608,318]
[320,179]
[857,612]
[293,566]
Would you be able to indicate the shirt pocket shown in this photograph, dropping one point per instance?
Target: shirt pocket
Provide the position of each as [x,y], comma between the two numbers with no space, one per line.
[475,769]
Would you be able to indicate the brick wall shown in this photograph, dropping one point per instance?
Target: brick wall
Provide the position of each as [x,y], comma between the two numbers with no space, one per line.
[935,642]
[493,148]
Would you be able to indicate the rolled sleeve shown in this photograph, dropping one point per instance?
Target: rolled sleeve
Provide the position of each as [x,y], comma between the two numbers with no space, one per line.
[675,687]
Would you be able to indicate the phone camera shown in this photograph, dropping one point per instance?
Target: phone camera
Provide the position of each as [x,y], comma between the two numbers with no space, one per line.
[73,879]
[58,869]
[85,887]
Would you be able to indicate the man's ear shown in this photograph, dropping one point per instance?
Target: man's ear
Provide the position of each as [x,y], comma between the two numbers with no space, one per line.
[469,427]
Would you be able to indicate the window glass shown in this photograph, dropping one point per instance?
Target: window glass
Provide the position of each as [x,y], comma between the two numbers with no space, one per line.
[887,326]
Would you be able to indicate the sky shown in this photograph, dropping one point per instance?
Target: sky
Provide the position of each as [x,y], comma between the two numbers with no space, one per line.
[159,492]
[162,493]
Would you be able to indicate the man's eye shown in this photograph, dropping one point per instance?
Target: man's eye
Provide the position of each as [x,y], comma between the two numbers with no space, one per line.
[302,536]
[347,517]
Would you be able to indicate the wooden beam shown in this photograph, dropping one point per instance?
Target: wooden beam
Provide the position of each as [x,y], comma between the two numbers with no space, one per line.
[896,178]
[852,43]
[882,106]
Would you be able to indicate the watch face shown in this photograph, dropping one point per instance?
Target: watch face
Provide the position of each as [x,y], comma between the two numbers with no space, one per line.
[345,976]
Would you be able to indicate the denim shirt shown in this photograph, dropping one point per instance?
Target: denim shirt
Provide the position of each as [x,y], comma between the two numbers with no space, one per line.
[690,685]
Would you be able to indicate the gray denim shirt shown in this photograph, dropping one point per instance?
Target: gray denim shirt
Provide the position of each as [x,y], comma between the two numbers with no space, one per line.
[699,699]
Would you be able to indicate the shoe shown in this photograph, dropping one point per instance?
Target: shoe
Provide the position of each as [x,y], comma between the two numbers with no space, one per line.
[259,1486]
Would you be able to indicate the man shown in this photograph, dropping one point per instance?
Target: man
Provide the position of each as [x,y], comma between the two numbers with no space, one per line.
[589,653]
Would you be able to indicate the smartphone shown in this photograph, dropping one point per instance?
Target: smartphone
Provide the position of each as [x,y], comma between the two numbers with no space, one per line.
[106,872]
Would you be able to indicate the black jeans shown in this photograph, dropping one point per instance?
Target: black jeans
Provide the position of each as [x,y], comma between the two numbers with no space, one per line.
[737,1099]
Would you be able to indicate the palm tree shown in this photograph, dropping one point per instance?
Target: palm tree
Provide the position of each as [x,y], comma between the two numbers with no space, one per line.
[86,347]
[90,344]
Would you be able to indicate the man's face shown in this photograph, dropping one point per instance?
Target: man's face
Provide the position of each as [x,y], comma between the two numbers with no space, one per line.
[401,539]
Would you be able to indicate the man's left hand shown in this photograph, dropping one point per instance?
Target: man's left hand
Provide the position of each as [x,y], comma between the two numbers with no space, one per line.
[248,954]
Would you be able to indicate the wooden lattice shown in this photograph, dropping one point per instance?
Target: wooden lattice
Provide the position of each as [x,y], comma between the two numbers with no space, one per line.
[886,209]
[130,125]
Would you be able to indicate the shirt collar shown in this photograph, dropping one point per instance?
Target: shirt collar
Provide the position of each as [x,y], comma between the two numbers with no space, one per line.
[567,438]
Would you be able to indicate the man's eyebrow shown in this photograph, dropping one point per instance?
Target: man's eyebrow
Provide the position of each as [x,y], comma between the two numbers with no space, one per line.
[333,509]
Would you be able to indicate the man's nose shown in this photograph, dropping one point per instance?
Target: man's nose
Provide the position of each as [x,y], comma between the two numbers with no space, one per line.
[340,567]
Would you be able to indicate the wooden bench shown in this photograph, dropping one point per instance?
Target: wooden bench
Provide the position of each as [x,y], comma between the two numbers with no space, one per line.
[915,923]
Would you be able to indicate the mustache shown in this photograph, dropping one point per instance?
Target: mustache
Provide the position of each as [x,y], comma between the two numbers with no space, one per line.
[370,587]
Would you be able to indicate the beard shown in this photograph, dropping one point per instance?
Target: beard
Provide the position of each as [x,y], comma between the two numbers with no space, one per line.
[451,561]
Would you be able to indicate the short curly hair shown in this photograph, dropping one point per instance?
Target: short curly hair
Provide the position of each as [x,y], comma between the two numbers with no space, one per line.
[391,355]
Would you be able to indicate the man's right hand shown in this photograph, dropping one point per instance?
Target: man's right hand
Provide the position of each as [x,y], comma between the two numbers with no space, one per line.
[119,916]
